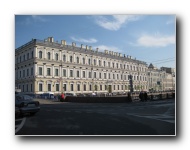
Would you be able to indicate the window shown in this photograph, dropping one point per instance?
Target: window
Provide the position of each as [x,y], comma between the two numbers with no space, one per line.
[78,74]
[90,87]
[23,73]
[113,65]
[100,75]
[94,74]
[24,57]
[104,63]
[84,87]
[23,88]
[49,87]
[56,56]
[83,60]
[117,65]
[40,54]
[31,71]
[83,74]
[89,62]
[108,64]
[27,72]
[65,87]
[57,87]
[56,72]
[40,70]
[48,71]
[121,66]
[78,60]
[100,87]
[94,61]
[32,54]
[26,87]
[71,73]
[31,88]
[109,76]
[78,87]
[64,58]
[118,87]
[89,74]
[64,72]
[113,76]
[71,87]
[40,87]
[71,59]
[20,74]
[104,75]
[99,62]
[20,59]
[28,56]
[49,55]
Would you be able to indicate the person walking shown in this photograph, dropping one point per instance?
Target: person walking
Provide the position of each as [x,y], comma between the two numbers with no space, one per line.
[62,97]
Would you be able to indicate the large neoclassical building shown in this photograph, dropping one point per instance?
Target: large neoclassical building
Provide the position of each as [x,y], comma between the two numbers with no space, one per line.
[47,66]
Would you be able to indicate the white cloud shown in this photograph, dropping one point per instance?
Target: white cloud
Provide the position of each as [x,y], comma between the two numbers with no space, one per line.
[38,18]
[169,22]
[155,41]
[81,40]
[116,21]
[109,48]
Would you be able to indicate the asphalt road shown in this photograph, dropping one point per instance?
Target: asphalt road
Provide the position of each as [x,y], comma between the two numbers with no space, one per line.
[138,118]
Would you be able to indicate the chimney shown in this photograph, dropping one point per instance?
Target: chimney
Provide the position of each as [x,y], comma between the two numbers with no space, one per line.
[50,39]
[73,44]
[90,47]
[63,42]
[81,45]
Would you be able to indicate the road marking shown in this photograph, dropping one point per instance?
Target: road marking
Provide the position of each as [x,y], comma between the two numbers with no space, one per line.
[19,126]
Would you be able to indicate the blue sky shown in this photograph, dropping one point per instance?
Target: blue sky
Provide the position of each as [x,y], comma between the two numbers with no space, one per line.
[149,38]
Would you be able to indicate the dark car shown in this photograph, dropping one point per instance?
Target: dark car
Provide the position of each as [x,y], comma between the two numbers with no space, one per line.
[26,104]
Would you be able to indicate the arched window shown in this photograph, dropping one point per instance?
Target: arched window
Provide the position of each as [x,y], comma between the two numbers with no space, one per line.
[99,62]
[104,63]
[49,55]
[83,60]
[78,60]
[71,59]
[94,61]
[40,54]
[89,62]
[64,58]
[56,56]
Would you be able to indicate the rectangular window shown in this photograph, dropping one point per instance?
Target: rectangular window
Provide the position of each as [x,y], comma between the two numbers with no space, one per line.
[40,70]
[56,72]
[84,87]
[31,88]
[71,87]
[118,87]
[109,76]
[83,74]
[71,73]
[23,73]
[57,87]
[90,87]
[100,87]
[20,74]
[27,56]
[49,87]
[26,87]
[100,75]
[104,75]
[27,72]
[78,74]
[64,72]
[78,87]
[65,87]
[23,88]
[94,74]
[89,74]
[48,71]
[40,87]
[31,71]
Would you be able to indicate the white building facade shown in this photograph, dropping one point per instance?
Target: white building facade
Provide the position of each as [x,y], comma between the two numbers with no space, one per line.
[46,66]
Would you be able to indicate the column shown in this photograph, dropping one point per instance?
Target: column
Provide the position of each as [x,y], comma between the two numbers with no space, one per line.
[53,55]
[35,52]
[44,69]
[60,57]
[35,69]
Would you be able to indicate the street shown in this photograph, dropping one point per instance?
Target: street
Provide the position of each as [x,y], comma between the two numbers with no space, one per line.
[137,118]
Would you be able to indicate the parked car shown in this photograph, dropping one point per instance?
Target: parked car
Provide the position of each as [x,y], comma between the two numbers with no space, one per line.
[26,104]
[17,112]
[70,94]
[49,95]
